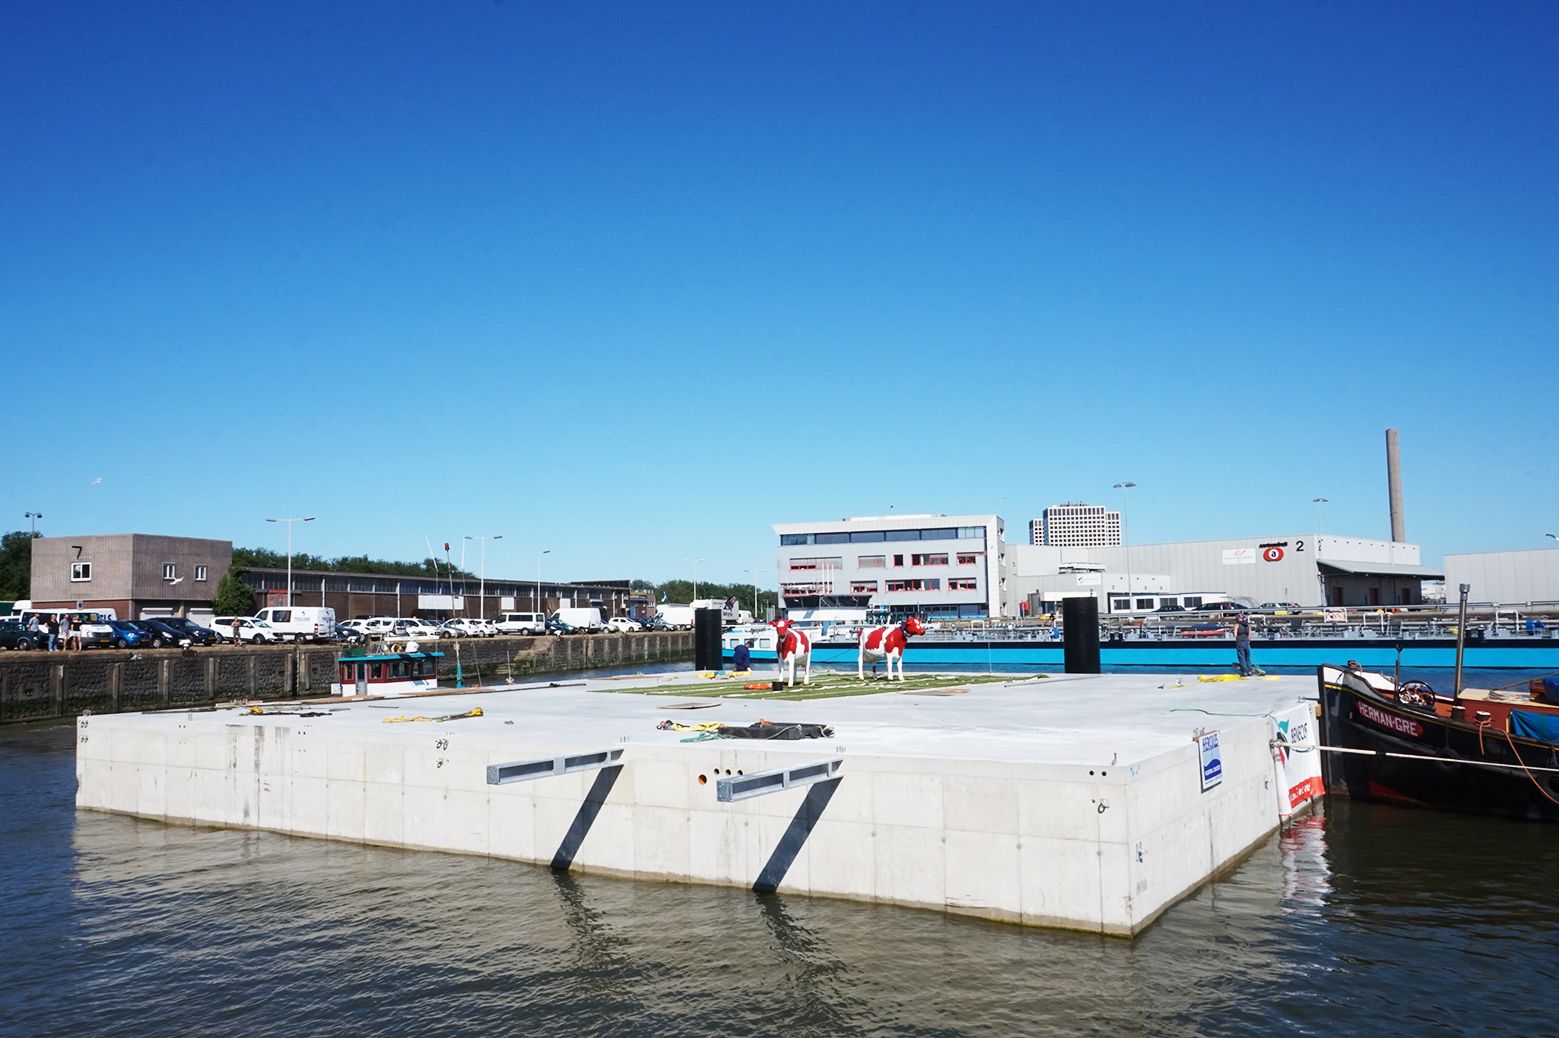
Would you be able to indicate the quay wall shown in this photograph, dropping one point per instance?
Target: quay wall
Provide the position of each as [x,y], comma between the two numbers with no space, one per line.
[40,685]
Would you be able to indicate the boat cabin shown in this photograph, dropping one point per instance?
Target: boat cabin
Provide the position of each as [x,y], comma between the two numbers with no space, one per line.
[388,674]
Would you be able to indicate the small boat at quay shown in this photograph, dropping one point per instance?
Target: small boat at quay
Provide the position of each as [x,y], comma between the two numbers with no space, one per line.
[1486,751]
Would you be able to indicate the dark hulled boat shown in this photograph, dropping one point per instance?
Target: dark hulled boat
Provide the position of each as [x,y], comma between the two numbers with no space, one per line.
[1488,752]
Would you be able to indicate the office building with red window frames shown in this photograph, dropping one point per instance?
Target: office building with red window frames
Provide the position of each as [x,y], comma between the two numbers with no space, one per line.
[928,565]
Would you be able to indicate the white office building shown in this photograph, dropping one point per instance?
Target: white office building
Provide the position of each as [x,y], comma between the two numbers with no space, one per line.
[928,565]
[1076,525]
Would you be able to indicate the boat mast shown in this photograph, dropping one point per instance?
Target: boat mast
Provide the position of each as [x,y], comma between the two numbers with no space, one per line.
[1461,641]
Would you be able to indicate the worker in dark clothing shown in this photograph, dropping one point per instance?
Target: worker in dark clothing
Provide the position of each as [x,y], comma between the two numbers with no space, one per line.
[1242,645]
[741,658]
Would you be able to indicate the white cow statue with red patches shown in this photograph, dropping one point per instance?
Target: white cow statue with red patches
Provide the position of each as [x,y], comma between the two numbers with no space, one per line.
[886,643]
[791,644]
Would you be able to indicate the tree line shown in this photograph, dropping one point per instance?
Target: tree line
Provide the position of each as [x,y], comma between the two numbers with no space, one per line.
[265,558]
[681,591]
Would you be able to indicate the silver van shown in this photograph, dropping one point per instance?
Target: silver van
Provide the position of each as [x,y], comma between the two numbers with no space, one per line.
[521,623]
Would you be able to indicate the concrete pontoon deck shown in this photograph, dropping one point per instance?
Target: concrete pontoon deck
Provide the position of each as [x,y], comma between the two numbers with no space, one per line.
[1080,801]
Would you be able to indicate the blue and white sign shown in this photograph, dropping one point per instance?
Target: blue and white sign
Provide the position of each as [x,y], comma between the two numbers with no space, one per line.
[1212,761]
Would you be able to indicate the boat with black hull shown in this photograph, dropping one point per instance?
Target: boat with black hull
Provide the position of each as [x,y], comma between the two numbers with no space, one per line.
[1485,751]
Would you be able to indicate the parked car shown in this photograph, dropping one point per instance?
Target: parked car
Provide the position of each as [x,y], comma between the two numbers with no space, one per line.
[188,628]
[655,623]
[411,628]
[466,627]
[250,629]
[163,636]
[345,632]
[558,627]
[1279,608]
[373,626]
[624,624]
[521,623]
[300,623]
[130,635]
[14,636]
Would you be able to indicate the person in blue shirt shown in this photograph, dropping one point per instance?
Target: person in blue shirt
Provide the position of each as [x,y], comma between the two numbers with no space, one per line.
[1242,646]
[741,657]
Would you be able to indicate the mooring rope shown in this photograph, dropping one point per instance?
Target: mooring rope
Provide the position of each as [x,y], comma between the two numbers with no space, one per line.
[1307,747]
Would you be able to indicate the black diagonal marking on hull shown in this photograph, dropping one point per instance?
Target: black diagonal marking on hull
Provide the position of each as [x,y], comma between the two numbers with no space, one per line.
[795,836]
[577,832]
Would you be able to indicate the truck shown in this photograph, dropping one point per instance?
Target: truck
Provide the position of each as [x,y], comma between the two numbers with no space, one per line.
[679,617]
[731,614]
[586,618]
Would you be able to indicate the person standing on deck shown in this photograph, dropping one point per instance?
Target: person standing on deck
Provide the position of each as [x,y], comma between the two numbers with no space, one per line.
[1242,645]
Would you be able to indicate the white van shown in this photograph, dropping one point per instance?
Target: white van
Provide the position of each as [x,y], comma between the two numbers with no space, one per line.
[587,619]
[301,623]
[521,623]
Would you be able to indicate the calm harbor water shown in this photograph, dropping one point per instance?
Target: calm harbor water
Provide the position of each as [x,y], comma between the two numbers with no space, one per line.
[1359,920]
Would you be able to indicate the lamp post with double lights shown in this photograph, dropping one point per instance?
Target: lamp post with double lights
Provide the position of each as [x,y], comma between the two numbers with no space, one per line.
[289,522]
[1125,530]
[34,516]
[755,573]
[695,563]
[481,593]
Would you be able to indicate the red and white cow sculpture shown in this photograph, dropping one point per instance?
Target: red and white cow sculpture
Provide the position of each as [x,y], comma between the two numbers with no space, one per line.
[886,643]
[791,644]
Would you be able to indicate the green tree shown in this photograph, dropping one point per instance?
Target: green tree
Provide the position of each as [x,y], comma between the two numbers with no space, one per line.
[16,565]
[681,591]
[234,597]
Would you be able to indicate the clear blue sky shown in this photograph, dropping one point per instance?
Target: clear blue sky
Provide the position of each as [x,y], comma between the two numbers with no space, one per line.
[632,282]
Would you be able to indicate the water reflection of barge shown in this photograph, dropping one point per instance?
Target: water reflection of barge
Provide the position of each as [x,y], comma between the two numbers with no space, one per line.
[1517,644]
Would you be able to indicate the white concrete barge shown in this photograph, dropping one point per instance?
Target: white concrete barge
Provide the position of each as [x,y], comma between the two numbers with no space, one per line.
[1087,802]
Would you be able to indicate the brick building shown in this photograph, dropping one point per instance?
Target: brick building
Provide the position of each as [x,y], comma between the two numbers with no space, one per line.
[137,575]
[382,594]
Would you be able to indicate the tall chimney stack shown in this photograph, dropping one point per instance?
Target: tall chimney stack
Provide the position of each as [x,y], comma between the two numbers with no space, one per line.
[1394,478]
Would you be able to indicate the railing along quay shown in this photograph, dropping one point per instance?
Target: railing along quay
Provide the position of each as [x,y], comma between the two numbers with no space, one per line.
[36,686]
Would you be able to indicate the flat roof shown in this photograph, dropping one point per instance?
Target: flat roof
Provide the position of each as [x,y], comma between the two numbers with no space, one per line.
[1104,719]
[1381,569]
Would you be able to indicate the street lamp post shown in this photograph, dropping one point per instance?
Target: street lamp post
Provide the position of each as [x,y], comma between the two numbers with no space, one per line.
[695,563]
[1125,529]
[34,516]
[539,608]
[481,594]
[1318,502]
[289,522]
[755,573]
